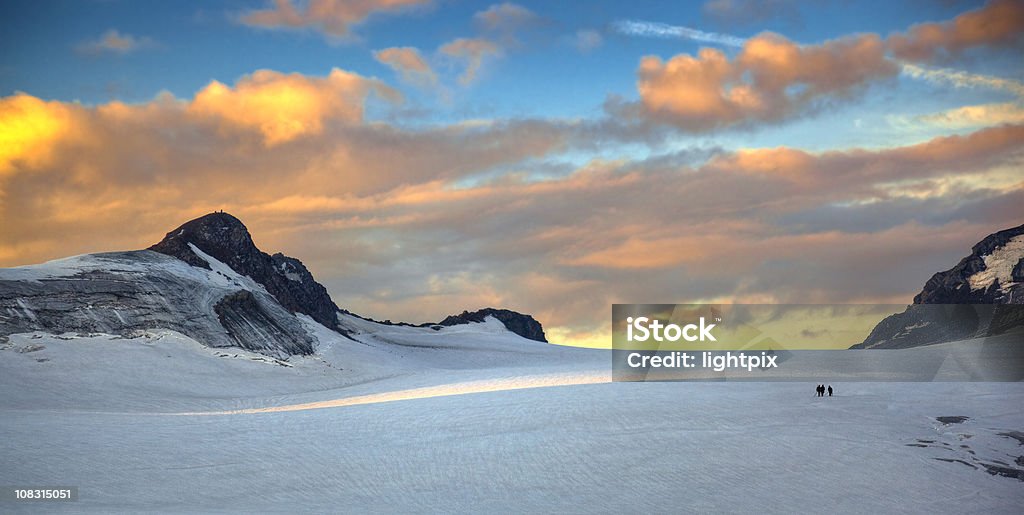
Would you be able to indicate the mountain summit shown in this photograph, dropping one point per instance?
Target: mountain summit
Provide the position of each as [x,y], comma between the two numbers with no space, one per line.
[227,240]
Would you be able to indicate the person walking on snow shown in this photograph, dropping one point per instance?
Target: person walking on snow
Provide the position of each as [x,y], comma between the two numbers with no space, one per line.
[829,390]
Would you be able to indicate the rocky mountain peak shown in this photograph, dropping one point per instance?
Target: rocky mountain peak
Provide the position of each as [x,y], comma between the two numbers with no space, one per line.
[982,295]
[991,274]
[218,234]
[226,239]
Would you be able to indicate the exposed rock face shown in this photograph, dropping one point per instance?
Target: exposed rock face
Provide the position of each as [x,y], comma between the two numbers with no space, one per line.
[523,325]
[982,295]
[976,279]
[250,324]
[225,238]
[123,292]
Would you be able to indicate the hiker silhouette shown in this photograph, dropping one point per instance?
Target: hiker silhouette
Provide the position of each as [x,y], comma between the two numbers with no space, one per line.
[829,390]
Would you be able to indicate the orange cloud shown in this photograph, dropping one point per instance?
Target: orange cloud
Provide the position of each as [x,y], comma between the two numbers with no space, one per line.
[334,18]
[771,79]
[999,22]
[31,129]
[472,51]
[658,252]
[409,64]
[847,171]
[282,107]
[69,173]
[781,162]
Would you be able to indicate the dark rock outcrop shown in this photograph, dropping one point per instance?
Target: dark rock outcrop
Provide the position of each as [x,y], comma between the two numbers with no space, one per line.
[523,325]
[950,307]
[226,239]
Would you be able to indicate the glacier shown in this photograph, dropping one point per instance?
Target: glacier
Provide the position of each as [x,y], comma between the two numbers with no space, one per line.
[474,418]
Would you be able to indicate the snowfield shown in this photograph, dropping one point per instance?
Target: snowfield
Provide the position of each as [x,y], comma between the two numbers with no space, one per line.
[473,418]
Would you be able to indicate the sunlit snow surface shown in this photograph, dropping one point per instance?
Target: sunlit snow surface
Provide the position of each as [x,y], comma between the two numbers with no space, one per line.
[475,419]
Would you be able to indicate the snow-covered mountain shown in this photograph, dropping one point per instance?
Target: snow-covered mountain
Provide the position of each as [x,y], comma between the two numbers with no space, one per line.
[207,280]
[992,274]
[982,295]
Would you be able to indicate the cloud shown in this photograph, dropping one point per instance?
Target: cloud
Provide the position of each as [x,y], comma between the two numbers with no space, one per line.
[972,116]
[268,136]
[771,79]
[384,216]
[997,23]
[283,107]
[499,22]
[586,40]
[333,18]
[31,129]
[505,18]
[566,248]
[665,31]
[409,64]
[962,79]
[112,41]
[473,52]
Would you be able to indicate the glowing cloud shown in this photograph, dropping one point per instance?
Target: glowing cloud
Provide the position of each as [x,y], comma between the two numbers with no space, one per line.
[31,128]
[283,107]
[771,79]
[984,115]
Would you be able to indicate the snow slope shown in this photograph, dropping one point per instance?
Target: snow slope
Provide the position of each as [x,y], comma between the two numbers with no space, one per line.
[470,419]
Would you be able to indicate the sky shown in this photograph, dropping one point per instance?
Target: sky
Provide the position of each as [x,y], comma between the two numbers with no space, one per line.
[423,157]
